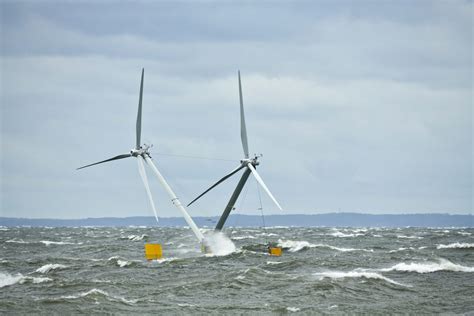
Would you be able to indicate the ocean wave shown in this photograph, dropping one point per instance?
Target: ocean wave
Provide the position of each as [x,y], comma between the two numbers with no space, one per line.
[356,274]
[267,234]
[8,279]
[17,241]
[136,237]
[242,237]
[162,260]
[401,249]
[49,267]
[455,245]
[464,233]
[122,263]
[295,246]
[428,267]
[293,309]
[48,243]
[94,293]
[408,237]
[273,262]
[343,235]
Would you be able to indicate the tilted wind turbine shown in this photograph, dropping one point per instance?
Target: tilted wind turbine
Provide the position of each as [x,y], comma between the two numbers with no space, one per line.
[249,164]
[141,152]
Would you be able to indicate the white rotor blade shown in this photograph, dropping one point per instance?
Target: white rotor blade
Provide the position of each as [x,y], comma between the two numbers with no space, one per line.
[260,181]
[141,170]
[243,128]
[175,200]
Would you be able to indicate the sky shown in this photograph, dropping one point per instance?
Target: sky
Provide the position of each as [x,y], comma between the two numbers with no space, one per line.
[355,106]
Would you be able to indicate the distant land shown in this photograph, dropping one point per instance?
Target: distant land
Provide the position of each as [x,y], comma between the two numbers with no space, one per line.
[315,220]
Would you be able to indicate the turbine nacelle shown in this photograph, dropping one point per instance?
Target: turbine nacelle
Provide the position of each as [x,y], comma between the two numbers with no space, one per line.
[142,151]
[254,161]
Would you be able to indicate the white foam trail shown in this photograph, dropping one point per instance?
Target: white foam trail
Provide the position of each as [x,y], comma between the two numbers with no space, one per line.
[295,246]
[408,237]
[273,262]
[8,279]
[162,260]
[455,245]
[51,266]
[355,274]
[123,263]
[293,309]
[101,293]
[243,237]
[342,235]
[428,267]
[48,243]
[17,241]
[136,237]
[219,244]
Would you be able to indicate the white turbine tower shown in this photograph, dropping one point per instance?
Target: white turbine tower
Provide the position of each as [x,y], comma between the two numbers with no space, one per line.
[143,155]
[248,163]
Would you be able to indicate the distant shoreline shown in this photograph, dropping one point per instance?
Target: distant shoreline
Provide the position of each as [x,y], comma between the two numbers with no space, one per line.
[296,220]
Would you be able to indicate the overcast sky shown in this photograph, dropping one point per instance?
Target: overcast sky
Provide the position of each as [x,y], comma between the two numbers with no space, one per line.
[361,106]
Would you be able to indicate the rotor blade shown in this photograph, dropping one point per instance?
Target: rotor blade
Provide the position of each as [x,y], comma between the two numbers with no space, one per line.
[141,170]
[175,200]
[114,158]
[218,182]
[260,180]
[139,115]
[243,128]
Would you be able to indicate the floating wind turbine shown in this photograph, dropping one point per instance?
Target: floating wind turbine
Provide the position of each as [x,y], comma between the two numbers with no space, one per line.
[249,164]
[141,152]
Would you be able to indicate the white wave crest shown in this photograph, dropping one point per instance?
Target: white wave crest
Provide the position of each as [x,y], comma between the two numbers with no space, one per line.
[17,241]
[119,261]
[243,237]
[294,246]
[162,260]
[356,274]
[98,292]
[48,243]
[428,267]
[219,244]
[273,262]
[8,279]
[49,267]
[455,245]
[408,237]
[136,237]
[342,235]
[293,309]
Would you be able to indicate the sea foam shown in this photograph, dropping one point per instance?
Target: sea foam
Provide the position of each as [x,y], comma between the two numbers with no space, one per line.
[455,245]
[219,244]
[8,279]
[98,293]
[294,246]
[49,267]
[428,267]
[355,274]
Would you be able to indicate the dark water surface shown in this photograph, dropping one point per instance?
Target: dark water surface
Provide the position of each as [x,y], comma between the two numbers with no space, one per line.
[322,271]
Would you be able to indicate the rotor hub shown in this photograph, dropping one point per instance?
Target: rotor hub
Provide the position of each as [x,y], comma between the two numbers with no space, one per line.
[142,151]
[254,161]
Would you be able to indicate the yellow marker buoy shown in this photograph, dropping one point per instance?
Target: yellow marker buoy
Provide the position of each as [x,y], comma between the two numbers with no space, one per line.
[153,251]
[274,251]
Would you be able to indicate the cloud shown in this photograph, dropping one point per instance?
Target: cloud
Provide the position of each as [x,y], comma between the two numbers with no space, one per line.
[354,108]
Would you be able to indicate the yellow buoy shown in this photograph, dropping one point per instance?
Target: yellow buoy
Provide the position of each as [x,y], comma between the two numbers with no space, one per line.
[274,251]
[153,251]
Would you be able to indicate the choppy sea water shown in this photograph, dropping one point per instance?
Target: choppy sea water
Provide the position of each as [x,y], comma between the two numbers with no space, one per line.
[322,271]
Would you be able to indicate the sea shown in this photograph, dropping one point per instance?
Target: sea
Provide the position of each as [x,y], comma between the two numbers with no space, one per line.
[103,270]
